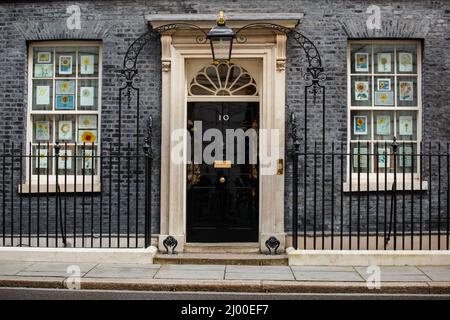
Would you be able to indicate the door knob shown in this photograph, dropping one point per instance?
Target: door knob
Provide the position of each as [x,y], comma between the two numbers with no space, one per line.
[222,180]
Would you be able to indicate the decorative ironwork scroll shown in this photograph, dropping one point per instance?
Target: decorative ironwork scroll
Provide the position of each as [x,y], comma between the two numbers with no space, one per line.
[272,244]
[170,242]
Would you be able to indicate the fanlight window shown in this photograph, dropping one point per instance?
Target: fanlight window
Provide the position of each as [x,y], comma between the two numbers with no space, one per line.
[223,79]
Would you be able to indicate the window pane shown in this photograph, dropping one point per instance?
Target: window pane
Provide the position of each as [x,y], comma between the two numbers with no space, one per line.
[65,62]
[407,58]
[86,160]
[383,58]
[361,91]
[384,125]
[384,91]
[88,61]
[407,125]
[42,95]
[87,94]
[407,91]
[87,129]
[361,58]
[383,159]
[66,160]
[361,125]
[406,158]
[65,95]
[362,152]
[65,128]
[43,62]
[42,128]
[42,160]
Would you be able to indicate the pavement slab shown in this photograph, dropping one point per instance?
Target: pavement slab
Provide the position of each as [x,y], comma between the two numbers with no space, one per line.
[396,274]
[258,273]
[11,268]
[437,273]
[324,268]
[125,271]
[337,276]
[191,272]
[55,269]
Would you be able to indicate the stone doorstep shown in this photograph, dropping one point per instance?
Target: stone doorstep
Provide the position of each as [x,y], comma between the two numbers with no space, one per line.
[222,259]
[264,286]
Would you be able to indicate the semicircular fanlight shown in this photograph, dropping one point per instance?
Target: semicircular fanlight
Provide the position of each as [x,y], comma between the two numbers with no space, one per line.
[223,79]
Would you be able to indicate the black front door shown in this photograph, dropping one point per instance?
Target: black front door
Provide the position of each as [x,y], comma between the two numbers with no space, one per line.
[222,197]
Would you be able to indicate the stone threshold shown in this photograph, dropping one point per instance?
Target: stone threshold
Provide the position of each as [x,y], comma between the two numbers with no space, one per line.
[221,259]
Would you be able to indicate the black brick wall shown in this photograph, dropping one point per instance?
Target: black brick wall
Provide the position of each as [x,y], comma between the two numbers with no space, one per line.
[328,23]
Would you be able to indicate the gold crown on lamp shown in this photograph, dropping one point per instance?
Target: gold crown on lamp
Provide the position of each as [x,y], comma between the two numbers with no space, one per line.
[221,18]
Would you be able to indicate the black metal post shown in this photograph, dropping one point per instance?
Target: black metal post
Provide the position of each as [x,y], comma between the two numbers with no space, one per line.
[148,183]
[295,155]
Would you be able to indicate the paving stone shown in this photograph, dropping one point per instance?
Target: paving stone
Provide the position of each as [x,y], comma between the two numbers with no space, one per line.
[437,273]
[126,271]
[396,274]
[10,268]
[192,267]
[55,269]
[190,274]
[257,269]
[323,268]
[259,276]
[340,276]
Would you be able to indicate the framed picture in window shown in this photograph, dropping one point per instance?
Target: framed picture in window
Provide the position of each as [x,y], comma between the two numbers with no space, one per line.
[42,130]
[65,65]
[361,62]
[405,152]
[89,155]
[87,136]
[65,102]
[65,87]
[384,62]
[384,98]
[42,162]
[87,122]
[65,159]
[86,96]
[384,158]
[65,130]
[87,64]
[362,90]
[406,91]
[42,95]
[383,125]
[405,125]
[405,62]
[44,57]
[360,125]
[361,154]
[384,84]
[43,70]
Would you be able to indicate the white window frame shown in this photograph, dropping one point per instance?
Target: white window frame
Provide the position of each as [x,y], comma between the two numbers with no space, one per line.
[418,184]
[72,182]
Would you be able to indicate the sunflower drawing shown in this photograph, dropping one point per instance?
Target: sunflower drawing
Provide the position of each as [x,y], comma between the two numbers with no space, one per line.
[65,62]
[360,122]
[362,60]
[362,92]
[88,137]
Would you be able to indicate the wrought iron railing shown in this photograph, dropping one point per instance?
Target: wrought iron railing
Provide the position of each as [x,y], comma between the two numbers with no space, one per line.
[83,198]
[380,196]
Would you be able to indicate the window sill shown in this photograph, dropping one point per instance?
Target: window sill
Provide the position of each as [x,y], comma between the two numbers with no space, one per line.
[51,188]
[418,185]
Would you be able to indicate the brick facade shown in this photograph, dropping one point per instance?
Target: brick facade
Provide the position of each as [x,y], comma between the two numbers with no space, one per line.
[329,24]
